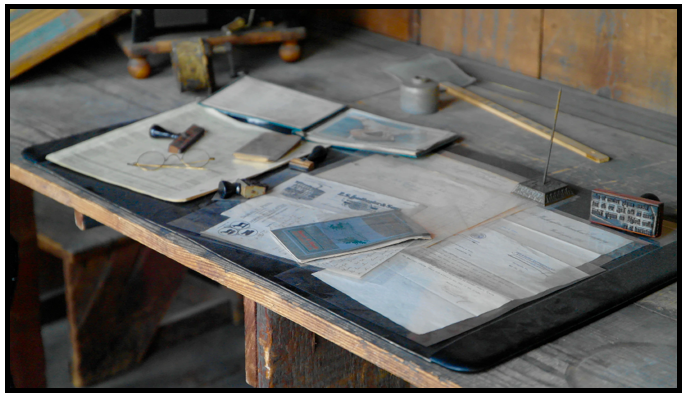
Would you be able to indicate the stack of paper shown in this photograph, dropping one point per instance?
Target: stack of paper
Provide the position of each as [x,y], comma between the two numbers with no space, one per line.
[490,269]
[308,199]
[349,235]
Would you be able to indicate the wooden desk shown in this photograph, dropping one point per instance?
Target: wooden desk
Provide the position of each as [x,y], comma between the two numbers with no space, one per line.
[88,87]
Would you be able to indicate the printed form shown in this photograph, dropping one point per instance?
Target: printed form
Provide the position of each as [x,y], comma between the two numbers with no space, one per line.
[514,258]
[302,200]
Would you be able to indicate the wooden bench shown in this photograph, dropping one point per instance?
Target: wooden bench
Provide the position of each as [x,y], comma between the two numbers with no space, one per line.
[123,300]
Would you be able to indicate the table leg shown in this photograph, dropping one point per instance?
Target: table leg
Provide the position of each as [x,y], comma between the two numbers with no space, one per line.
[280,353]
[27,358]
[115,302]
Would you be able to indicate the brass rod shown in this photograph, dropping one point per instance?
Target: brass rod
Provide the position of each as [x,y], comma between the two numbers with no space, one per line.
[552,136]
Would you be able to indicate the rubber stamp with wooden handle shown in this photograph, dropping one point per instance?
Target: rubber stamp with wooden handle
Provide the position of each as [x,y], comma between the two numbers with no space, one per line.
[181,142]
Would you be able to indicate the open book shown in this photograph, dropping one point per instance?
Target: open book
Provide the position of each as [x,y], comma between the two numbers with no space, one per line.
[322,121]
[272,106]
[360,130]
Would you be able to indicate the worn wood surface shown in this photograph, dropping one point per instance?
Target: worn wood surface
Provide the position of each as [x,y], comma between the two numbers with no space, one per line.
[26,356]
[290,356]
[36,35]
[526,124]
[508,38]
[639,121]
[211,360]
[347,68]
[251,353]
[398,23]
[627,55]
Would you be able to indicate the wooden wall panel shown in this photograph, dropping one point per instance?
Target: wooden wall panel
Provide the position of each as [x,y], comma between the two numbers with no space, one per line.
[503,37]
[627,55]
[442,29]
[393,22]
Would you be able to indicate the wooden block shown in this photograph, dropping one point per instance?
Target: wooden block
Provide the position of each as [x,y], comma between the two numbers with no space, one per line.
[630,55]
[250,189]
[301,164]
[187,139]
[84,222]
[267,147]
[288,356]
[192,63]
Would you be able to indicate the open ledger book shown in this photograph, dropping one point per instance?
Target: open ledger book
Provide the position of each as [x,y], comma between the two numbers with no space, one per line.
[322,121]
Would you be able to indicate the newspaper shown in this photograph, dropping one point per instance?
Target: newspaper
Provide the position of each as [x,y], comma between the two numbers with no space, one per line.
[107,156]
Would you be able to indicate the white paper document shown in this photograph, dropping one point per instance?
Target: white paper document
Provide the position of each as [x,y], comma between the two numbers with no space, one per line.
[358,265]
[106,157]
[585,236]
[249,223]
[398,298]
[339,198]
[428,288]
[455,196]
[302,200]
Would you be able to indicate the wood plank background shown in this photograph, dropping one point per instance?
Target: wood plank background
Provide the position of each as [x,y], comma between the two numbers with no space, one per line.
[627,55]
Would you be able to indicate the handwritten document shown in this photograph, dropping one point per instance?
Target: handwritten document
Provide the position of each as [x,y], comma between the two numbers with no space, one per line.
[512,258]
[106,157]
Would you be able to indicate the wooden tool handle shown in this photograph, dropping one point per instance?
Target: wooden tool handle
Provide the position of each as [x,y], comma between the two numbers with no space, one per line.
[525,123]
[187,139]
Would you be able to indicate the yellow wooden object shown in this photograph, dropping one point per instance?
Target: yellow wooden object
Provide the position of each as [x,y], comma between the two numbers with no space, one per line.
[38,34]
[527,124]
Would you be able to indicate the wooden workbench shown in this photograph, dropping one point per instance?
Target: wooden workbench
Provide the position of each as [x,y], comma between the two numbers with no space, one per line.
[88,87]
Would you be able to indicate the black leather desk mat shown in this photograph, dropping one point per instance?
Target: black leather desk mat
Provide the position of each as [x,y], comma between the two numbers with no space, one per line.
[625,280]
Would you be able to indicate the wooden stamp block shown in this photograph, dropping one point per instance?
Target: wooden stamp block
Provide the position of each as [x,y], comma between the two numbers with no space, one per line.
[250,189]
[187,139]
[628,213]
